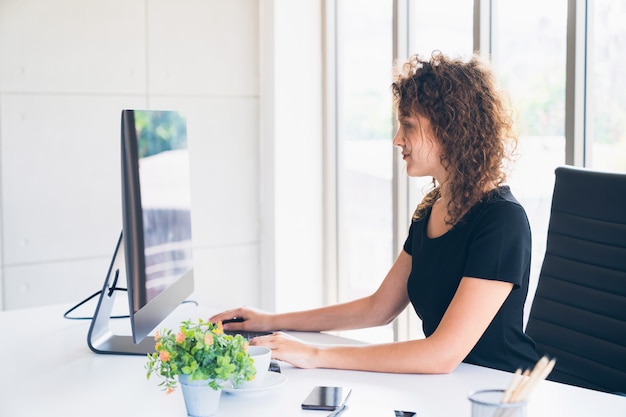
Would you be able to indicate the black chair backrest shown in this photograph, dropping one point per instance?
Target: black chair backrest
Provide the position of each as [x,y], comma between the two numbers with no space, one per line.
[578,314]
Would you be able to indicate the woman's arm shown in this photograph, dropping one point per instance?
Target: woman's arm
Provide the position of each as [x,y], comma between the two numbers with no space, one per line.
[473,307]
[377,309]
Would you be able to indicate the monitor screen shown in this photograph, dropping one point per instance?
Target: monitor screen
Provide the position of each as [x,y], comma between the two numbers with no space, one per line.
[154,252]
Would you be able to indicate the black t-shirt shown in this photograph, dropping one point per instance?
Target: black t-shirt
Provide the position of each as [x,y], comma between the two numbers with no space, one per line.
[492,241]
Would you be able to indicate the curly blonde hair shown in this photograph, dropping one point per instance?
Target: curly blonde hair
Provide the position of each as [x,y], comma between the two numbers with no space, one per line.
[470,118]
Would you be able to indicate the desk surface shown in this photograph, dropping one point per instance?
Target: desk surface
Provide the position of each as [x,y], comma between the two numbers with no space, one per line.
[48,370]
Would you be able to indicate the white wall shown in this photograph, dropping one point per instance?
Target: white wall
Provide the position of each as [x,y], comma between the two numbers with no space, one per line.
[67,69]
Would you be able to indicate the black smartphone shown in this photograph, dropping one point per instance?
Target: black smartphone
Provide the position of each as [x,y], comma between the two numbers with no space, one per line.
[326,398]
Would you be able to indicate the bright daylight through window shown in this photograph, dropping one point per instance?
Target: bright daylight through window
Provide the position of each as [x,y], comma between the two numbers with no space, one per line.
[528,50]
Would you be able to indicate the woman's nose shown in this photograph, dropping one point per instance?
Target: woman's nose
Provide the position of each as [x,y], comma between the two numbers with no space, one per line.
[397,139]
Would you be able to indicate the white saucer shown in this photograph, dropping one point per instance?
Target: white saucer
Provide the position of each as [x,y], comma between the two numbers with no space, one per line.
[271,380]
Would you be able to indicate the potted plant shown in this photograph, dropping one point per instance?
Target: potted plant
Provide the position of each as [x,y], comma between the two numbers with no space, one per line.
[200,357]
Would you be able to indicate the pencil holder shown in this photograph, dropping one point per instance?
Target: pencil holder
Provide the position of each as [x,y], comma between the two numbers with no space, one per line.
[488,403]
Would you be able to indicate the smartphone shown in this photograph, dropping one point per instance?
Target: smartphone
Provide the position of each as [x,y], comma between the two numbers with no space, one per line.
[326,398]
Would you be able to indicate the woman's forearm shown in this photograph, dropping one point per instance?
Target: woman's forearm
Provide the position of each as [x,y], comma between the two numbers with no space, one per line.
[422,356]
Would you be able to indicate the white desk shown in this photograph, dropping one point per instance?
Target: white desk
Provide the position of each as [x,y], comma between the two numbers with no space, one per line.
[48,370]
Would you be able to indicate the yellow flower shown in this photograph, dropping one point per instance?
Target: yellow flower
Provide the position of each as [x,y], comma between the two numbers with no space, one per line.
[208,339]
[246,345]
[180,337]
[157,335]
[158,346]
[164,356]
[219,329]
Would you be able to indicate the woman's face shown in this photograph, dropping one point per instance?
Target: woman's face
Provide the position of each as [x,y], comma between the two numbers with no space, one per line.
[420,150]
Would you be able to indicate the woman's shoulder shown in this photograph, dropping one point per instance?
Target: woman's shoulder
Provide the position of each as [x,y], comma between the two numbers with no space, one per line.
[500,204]
[499,195]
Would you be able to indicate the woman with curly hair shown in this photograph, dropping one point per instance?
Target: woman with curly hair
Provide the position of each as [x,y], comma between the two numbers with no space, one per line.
[466,262]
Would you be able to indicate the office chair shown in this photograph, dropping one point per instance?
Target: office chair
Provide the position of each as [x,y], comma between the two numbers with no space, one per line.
[578,314]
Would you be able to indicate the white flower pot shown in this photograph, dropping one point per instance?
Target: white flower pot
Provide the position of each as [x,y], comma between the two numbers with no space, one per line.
[200,399]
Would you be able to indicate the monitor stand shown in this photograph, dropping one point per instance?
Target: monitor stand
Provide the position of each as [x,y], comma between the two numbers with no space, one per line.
[101,338]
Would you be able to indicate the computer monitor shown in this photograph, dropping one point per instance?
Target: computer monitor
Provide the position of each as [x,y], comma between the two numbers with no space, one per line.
[153,255]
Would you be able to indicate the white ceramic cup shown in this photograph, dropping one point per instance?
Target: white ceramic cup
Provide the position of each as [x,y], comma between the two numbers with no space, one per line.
[261,357]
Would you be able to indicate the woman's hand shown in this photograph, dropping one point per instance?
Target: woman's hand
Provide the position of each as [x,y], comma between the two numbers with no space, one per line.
[284,347]
[245,318]
[289,349]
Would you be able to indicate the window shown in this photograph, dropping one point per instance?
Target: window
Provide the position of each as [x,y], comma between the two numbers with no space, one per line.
[445,25]
[363,148]
[528,44]
[529,53]
[606,86]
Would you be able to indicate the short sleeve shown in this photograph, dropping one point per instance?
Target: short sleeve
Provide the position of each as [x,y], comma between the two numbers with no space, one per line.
[500,244]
